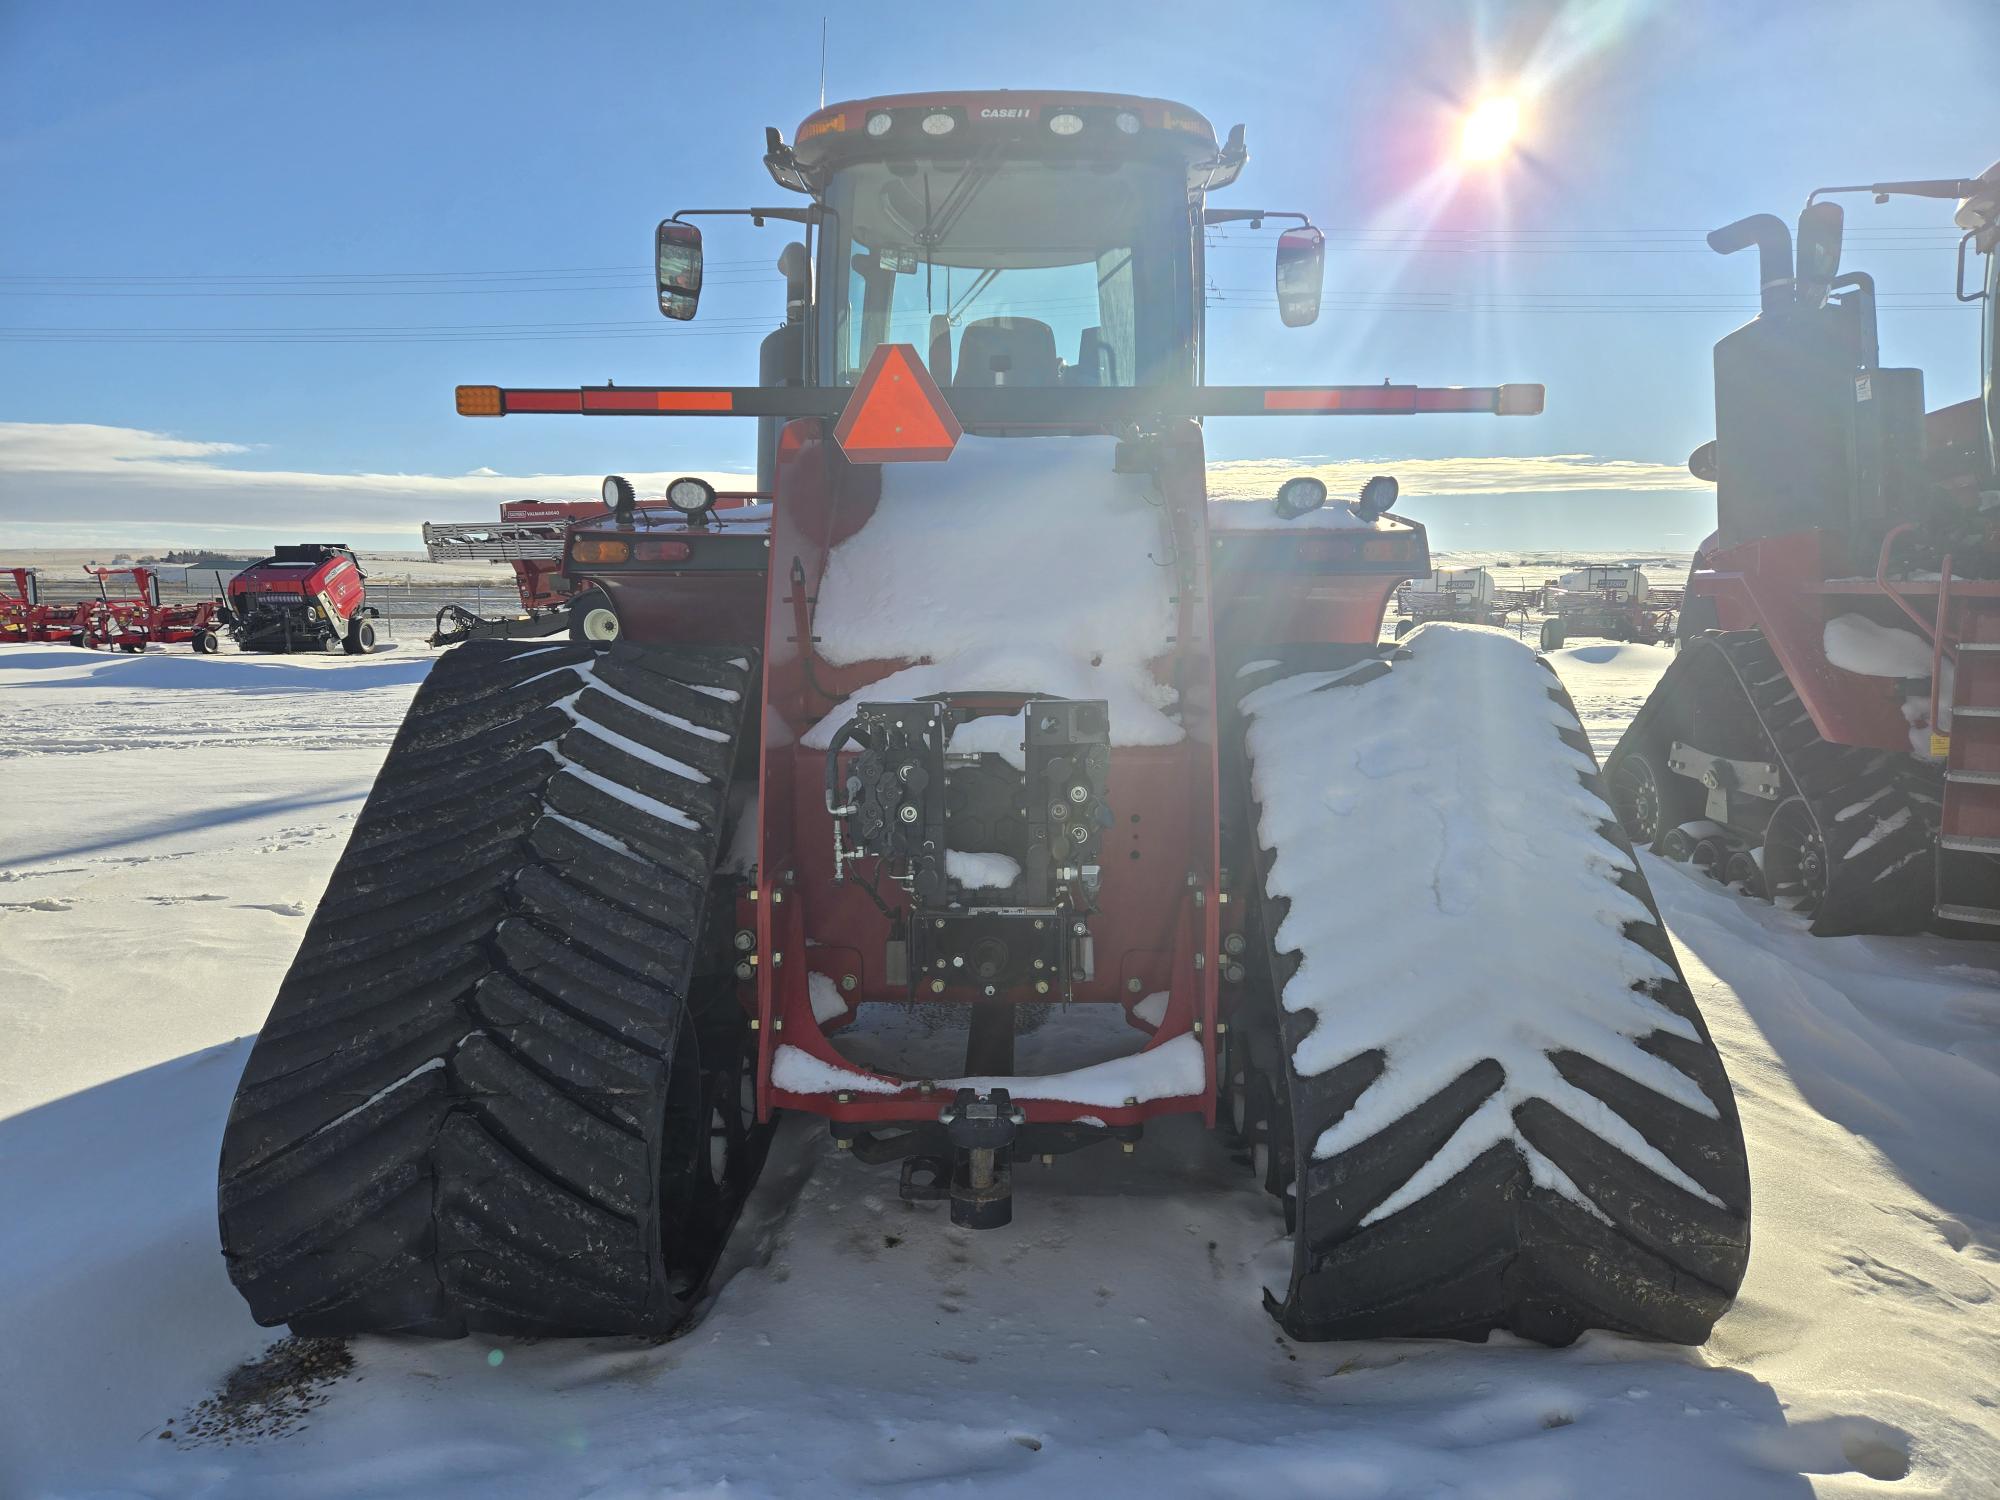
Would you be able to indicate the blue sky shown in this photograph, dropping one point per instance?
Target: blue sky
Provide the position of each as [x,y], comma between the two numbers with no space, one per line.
[462,145]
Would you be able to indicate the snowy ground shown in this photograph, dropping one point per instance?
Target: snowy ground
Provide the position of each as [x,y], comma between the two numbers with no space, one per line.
[167,824]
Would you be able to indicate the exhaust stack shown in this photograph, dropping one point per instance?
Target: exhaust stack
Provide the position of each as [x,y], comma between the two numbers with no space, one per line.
[1774,254]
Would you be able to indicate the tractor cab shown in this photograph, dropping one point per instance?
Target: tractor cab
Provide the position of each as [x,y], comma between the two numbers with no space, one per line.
[1015,240]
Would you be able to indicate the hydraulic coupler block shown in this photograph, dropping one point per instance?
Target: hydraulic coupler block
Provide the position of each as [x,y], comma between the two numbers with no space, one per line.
[1068,746]
[889,800]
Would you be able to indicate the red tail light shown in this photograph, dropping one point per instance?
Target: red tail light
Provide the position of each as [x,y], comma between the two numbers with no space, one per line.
[662,551]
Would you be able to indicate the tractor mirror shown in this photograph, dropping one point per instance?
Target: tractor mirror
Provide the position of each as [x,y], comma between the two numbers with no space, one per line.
[1301,269]
[1701,462]
[677,257]
[1819,245]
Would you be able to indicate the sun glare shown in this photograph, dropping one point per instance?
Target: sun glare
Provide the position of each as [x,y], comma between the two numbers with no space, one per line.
[1489,129]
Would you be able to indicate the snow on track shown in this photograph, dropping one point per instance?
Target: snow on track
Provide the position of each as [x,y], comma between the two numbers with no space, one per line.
[1108,1342]
[1461,724]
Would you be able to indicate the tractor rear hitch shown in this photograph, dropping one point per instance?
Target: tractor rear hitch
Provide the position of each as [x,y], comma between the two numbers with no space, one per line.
[981,1128]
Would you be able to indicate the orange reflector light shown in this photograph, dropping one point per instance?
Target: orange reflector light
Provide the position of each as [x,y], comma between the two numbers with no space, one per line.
[658,551]
[896,413]
[600,549]
[1521,400]
[479,401]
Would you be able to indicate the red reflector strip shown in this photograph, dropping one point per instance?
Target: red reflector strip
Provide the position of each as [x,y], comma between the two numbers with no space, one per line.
[1303,400]
[543,400]
[1334,548]
[642,400]
[1455,398]
[651,551]
[1386,400]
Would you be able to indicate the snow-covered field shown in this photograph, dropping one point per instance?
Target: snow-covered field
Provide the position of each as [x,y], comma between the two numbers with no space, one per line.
[166,824]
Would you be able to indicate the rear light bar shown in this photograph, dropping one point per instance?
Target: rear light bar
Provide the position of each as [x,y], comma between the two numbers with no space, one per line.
[599,551]
[1353,546]
[1027,406]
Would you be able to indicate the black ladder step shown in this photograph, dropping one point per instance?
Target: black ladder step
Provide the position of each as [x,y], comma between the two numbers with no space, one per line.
[1969,844]
[1973,778]
[1984,915]
[1974,711]
[1979,646]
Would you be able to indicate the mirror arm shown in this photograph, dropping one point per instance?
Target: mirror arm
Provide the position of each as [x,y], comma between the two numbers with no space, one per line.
[1256,216]
[807,215]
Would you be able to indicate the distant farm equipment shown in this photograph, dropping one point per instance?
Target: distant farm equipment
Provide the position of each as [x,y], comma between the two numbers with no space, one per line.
[529,538]
[305,597]
[1614,603]
[1463,595]
[124,613]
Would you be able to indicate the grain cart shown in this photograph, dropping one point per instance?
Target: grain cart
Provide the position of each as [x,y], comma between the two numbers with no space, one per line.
[1832,738]
[304,597]
[992,714]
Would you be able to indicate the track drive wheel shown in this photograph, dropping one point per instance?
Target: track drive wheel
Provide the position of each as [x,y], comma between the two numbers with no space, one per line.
[593,621]
[1650,800]
[1795,864]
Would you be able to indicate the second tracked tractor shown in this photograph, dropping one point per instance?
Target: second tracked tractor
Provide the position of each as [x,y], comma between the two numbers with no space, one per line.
[989,794]
[1829,735]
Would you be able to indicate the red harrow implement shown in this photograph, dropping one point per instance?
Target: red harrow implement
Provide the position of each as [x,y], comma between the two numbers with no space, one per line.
[124,614]
[21,609]
[992,713]
[132,618]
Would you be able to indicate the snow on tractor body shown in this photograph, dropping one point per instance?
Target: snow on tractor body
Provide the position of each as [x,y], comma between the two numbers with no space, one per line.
[309,596]
[1829,736]
[989,736]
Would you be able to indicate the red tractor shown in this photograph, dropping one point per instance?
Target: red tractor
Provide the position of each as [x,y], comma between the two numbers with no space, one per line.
[305,597]
[994,723]
[1829,735]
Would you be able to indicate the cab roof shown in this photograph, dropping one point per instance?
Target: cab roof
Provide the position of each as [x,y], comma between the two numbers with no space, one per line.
[1030,121]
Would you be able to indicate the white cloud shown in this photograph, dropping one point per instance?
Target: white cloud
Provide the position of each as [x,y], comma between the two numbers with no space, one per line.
[87,483]
[1551,473]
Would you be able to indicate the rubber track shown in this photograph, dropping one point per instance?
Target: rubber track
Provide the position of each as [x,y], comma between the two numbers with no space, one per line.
[452,1120]
[1490,1249]
[1880,876]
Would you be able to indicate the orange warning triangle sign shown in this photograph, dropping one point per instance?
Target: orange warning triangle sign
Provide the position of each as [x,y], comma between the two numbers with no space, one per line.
[896,414]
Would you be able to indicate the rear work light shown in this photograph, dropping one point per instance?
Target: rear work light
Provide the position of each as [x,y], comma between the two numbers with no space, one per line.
[594,549]
[661,551]
[479,401]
